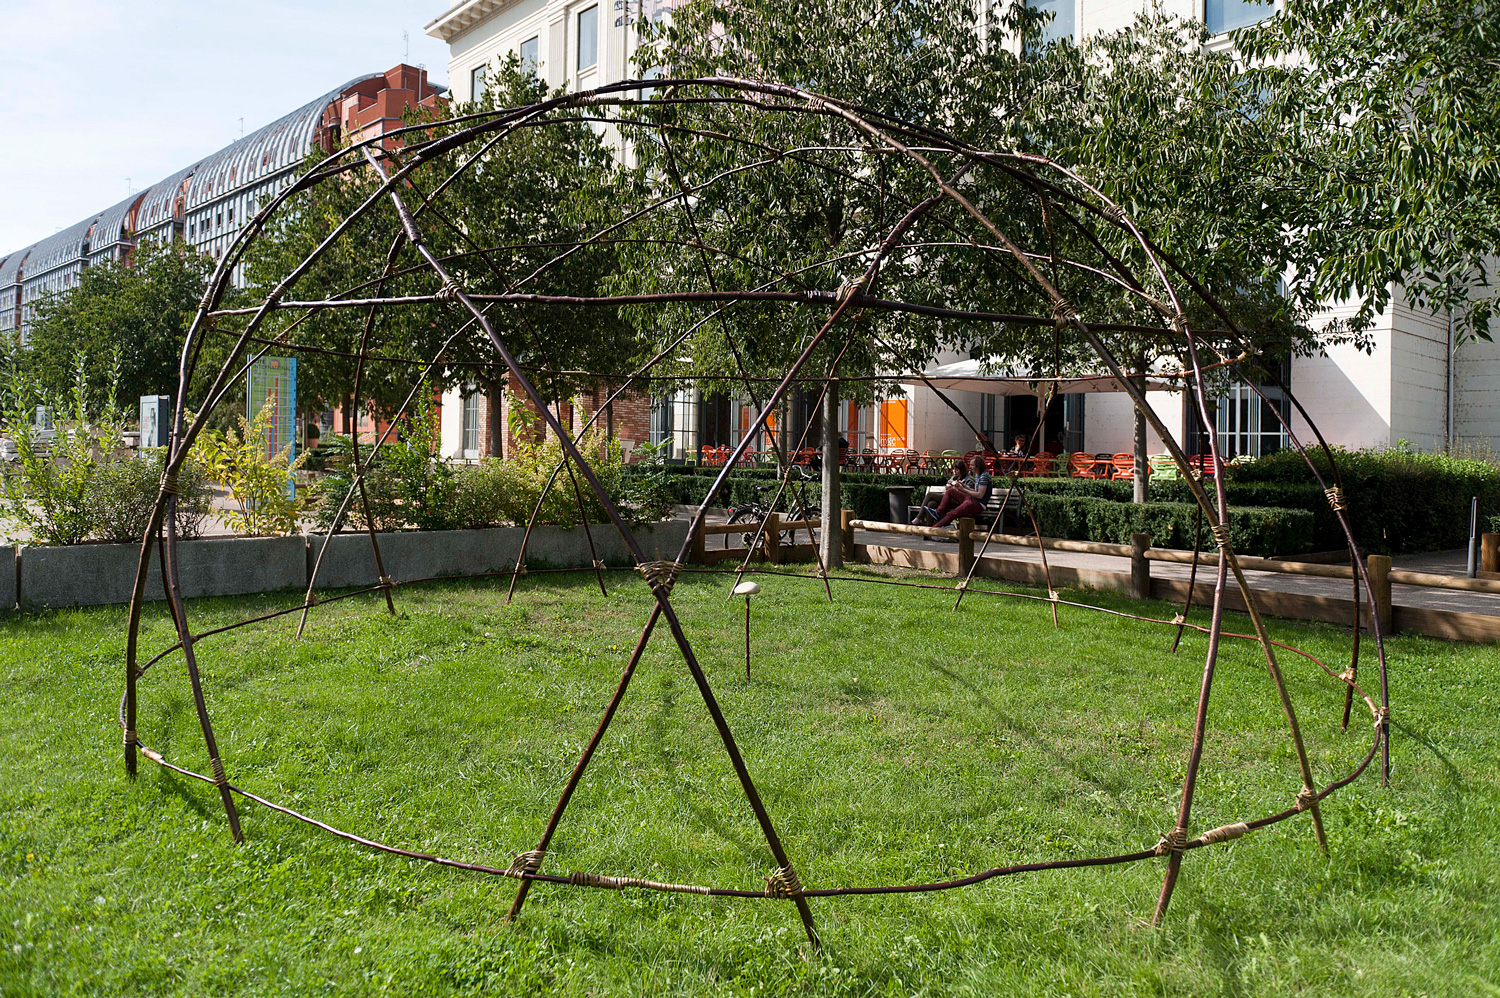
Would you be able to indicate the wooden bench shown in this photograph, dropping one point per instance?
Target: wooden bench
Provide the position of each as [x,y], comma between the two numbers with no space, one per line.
[1003,502]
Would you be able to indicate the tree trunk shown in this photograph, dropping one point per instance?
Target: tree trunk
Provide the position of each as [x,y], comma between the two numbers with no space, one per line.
[832,542]
[1142,483]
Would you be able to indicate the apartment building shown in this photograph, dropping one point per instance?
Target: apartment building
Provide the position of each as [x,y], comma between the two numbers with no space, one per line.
[1415,385]
[206,204]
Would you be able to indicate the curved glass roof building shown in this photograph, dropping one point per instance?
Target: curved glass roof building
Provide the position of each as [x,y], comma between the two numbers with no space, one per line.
[206,204]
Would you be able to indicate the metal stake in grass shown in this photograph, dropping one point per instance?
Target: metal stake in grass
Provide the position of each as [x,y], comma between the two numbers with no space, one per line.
[747,589]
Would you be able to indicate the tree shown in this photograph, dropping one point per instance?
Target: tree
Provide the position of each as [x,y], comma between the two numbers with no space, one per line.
[1384,114]
[499,225]
[134,314]
[1160,125]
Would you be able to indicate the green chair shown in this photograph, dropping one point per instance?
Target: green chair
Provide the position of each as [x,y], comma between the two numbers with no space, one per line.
[1163,468]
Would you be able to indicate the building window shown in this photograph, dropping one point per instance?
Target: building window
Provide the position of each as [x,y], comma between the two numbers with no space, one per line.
[476,84]
[530,50]
[470,443]
[1226,15]
[661,422]
[588,38]
[1246,424]
[1060,25]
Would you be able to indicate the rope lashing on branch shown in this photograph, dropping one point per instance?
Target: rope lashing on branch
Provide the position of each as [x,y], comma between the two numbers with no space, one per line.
[1173,841]
[1306,798]
[1382,715]
[526,864]
[1114,213]
[218,767]
[660,575]
[1063,313]
[1222,834]
[169,483]
[1335,498]
[1221,535]
[783,883]
[578,878]
[130,738]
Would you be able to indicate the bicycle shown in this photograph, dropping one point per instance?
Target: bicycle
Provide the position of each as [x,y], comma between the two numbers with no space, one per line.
[800,508]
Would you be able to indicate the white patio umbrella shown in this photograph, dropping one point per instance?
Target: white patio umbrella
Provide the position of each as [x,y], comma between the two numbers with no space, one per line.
[964,376]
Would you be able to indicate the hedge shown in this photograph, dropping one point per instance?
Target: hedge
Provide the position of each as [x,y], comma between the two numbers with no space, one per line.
[1398,500]
[1254,530]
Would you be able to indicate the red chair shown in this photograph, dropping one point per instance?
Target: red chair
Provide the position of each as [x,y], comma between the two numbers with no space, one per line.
[1040,466]
[1081,465]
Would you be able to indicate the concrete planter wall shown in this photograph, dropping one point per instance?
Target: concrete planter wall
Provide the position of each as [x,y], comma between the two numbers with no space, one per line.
[7,577]
[410,555]
[91,574]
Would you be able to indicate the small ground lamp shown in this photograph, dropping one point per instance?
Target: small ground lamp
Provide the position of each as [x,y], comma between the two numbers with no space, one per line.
[747,589]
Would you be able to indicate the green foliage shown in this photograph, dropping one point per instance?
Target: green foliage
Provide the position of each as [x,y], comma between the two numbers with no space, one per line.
[1253,530]
[78,483]
[1381,117]
[124,491]
[410,487]
[136,314]
[1399,500]
[256,480]
[535,192]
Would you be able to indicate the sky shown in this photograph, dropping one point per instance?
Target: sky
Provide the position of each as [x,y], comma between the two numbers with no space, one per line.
[102,98]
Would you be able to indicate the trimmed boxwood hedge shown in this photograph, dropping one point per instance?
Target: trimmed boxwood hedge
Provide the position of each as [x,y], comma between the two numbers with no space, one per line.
[1255,530]
[1399,501]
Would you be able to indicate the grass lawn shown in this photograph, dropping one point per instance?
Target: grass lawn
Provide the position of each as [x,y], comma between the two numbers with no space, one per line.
[892,739]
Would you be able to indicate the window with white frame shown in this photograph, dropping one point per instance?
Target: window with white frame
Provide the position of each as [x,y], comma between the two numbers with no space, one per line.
[1061,25]
[530,55]
[469,446]
[588,38]
[1226,15]
[476,83]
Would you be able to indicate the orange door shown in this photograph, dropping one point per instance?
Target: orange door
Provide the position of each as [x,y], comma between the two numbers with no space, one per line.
[893,424]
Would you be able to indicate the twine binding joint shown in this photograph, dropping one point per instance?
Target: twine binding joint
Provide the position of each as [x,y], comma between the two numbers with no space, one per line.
[526,864]
[783,883]
[1173,841]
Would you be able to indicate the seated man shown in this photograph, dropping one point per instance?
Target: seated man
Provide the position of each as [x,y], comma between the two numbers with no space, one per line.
[965,498]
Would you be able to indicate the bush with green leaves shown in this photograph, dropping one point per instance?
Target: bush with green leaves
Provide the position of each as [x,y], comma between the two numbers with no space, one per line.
[410,486]
[124,491]
[80,483]
[256,480]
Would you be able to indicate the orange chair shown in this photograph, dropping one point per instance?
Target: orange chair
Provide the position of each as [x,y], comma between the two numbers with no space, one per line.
[1081,465]
[1040,466]
[1124,467]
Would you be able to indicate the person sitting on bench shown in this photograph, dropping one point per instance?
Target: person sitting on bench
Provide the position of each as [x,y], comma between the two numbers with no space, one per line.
[961,498]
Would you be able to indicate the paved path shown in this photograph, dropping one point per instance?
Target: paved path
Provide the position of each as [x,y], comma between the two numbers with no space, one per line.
[1440,562]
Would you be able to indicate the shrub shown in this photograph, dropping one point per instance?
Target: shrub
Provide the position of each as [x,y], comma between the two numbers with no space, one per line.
[123,493]
[1253,530]
[257,482]
[1398,500]
[411,487]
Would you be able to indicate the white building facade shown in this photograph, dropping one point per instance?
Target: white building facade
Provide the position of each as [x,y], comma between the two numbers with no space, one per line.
[1415,385]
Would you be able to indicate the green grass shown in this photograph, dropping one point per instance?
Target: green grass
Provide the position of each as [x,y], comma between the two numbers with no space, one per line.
[893,741]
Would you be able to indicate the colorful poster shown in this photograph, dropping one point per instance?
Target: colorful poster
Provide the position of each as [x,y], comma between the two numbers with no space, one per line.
[272,388]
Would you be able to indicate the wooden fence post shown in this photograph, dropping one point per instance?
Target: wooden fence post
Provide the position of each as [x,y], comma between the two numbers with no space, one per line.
[846,519]
[698,552]
[1140,568]
[1489,552]
[965,527]
[773,538]
[1379,567]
